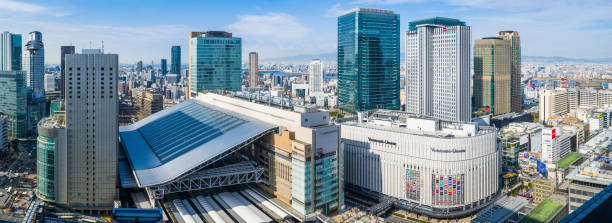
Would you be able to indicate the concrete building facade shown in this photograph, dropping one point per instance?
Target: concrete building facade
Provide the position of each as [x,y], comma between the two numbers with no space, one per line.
[438,69]
[315,76]
[556,144]
[253,69]
[148,102]
[441,168]
[302,162]
[553,103]
[92,130]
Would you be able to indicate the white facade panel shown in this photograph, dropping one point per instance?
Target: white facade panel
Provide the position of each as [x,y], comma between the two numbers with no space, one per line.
[406,165]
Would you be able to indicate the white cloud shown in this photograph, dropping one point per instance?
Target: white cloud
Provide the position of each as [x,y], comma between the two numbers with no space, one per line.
[335,11]
[23,7]
[279,35]
[20,6]
[547,27]
[384,2]
[269,25]
[132,43]
[338,9]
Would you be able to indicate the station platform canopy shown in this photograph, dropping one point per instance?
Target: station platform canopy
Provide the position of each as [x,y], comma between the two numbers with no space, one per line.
[180,139]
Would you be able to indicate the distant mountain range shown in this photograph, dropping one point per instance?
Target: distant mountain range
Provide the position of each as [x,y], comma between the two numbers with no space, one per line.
[304,58]
[332,57]
[564,59]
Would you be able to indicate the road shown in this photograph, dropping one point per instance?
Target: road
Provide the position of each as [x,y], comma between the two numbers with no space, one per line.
[395,219]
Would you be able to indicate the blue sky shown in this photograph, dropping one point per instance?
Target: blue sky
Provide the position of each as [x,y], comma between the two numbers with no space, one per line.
[145,30]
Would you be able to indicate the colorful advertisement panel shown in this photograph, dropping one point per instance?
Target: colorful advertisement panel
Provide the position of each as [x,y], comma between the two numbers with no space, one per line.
[447,189]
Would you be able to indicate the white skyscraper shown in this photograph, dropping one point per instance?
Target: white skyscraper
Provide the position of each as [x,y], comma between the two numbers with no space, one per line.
[315,77]
[34,61]
[10,51]
[49,82]
[438,69]
[253,66]
[92,129]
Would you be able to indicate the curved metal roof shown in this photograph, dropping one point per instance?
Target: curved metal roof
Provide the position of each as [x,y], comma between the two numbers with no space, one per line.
[171,142]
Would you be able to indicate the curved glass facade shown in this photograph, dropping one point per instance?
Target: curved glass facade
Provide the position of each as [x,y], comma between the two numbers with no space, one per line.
[46,167]
[368,60]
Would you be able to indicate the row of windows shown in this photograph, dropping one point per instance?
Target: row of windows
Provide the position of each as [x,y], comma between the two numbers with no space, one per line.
[87,68]
[581,192]
[578,200]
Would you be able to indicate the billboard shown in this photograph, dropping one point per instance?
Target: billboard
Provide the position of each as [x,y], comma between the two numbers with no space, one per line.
[542,167]
[447,189]
[413,184]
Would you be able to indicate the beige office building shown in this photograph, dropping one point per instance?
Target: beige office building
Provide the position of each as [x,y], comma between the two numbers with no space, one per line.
[553,104]
[492,66]
[148,102]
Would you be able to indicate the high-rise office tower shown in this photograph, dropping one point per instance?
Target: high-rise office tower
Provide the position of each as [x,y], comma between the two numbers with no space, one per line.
[253,65]
[215,62]
[10,51]
[368,60]
[516,97]
[438,69]
[92,130]
[188,88]
[175,60]
[164,67]
[4,141]
[64,50]
[139,66]
[34,61]
[13,86]
[14,101]
[492,75]
[315,76]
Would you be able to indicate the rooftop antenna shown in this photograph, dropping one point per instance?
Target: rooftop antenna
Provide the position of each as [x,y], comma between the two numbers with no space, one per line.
[102,46]
[90,44]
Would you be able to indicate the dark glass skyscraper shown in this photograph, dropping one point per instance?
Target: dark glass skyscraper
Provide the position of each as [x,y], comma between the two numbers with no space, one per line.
[164,67]
[64,50]
[13,102]
[368,60]
[175,66]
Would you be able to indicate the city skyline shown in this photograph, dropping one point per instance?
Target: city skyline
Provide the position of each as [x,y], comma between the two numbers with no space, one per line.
[279,29]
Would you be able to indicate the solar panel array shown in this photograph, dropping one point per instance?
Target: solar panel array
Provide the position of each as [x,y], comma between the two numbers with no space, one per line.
[197,125]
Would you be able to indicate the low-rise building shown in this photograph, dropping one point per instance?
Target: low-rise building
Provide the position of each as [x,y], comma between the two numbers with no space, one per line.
[542,189]
[148,102]
[556,143]
[589,179]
